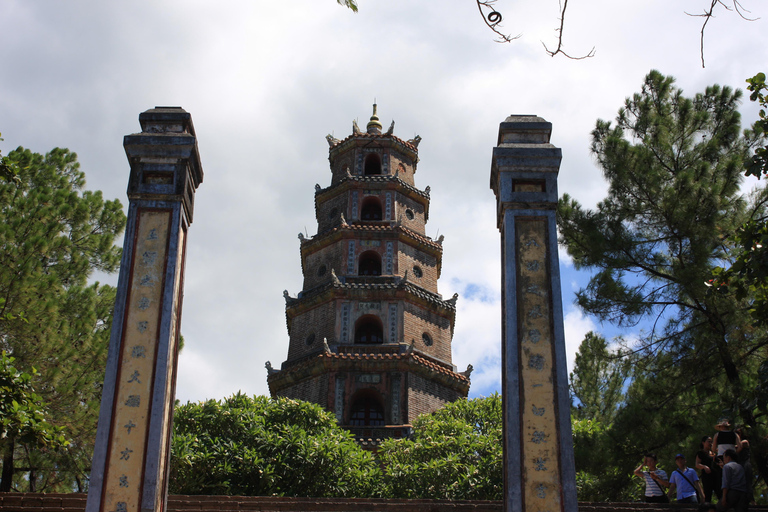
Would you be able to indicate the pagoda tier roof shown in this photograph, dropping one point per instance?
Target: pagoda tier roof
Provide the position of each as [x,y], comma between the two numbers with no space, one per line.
[382,179]
[345,358]
[373,285]
[394,287]
[360,229]
[407,145]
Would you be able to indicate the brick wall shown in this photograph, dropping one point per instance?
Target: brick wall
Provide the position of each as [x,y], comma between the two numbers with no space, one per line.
[425,396]
[332,256]
[313,390]
[320,321]
[409,257]
[329,212]
[30,502]
[418,223]
[341,165]
[417,321]
[404,164]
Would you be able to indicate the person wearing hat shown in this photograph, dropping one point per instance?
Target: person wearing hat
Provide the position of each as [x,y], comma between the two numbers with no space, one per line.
[725,438]
[686,481]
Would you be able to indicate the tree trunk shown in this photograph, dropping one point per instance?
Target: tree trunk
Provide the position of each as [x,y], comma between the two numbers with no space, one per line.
[6,481]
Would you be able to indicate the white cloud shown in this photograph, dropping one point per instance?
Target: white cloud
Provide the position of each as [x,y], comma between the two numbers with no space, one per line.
[265,82]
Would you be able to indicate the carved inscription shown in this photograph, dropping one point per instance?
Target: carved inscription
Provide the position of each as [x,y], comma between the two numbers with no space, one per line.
[395,394]
[339,399]
[539,440]
[134,391]
[345,322]
[351,257]
[364,307]
[393,323]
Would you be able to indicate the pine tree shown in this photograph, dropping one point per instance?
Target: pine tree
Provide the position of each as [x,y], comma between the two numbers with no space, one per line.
[53,236]
[675,167]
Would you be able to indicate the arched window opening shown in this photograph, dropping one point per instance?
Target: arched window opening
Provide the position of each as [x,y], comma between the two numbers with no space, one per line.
[366,411]
[371,209]
[372,164]
[370,264]
[369,331]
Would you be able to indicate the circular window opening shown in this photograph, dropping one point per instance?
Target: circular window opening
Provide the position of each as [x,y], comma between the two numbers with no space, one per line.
[409,214]
[321,270]
[427,339]
[333,213]
[417,271]
[310,339]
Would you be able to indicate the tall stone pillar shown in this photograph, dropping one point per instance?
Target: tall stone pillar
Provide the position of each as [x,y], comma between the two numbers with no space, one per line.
[539,474]
[130,461]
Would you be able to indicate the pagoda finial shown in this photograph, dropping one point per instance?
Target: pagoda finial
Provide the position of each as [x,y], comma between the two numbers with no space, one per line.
[374,125]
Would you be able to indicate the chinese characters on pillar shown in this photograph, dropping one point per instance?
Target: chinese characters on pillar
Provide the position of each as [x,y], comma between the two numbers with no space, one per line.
[539,440]
[134,386]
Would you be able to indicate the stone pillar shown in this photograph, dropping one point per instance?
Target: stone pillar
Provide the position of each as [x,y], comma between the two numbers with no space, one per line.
[130,460]
[539,474]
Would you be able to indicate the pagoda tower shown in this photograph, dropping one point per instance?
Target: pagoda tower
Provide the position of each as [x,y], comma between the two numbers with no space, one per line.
[370,336]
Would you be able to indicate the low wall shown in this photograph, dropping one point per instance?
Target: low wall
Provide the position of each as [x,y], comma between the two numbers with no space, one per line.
[32,502]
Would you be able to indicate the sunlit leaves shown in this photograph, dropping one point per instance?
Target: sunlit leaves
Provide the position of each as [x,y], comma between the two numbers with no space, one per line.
[257,446]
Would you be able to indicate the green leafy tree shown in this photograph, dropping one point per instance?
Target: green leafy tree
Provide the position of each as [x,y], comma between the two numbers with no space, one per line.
[53,235]
[22,417]
[266,447]
[454,453]
[675,167]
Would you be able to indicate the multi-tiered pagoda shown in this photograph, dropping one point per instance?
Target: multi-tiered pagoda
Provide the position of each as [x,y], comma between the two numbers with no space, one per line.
[370,336]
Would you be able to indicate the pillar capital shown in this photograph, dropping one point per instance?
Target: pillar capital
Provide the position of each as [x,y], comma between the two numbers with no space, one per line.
[524,165]
[164,159]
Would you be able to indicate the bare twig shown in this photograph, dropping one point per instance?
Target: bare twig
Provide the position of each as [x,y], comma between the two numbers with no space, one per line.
[709,13]
[493,20]
[560,38]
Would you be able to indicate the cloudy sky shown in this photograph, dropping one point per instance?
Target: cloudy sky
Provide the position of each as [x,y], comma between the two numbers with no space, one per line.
[266,81]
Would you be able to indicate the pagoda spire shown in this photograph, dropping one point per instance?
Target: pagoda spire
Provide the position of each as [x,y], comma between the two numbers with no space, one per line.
[374,125]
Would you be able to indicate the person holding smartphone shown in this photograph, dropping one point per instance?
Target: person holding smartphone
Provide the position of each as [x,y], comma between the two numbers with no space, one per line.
[655,479]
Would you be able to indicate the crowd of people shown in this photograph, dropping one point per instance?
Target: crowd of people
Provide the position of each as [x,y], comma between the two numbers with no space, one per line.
[725,471]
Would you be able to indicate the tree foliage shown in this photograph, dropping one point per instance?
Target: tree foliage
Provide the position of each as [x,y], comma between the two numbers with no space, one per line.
[454,453]
[675,167]
[266,447]
[53,235]
[598,379]
[22,416]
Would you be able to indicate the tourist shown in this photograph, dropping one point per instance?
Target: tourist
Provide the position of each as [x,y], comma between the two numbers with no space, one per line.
[744,458]
[655,480]
[734,484]
[725,438]
[685,480]
[710,475]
